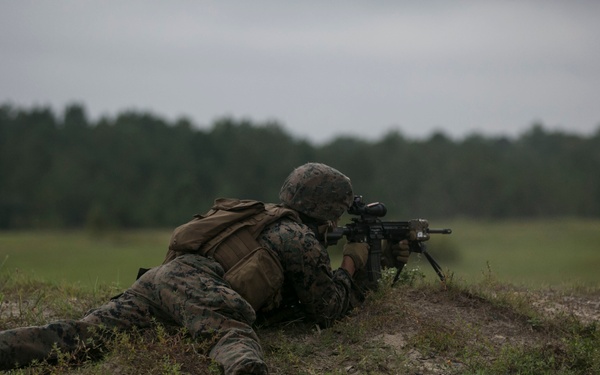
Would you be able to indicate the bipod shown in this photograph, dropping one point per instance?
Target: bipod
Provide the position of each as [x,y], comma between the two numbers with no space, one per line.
[420,248]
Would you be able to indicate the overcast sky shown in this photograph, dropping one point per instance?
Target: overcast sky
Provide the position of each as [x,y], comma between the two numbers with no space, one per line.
[320,68]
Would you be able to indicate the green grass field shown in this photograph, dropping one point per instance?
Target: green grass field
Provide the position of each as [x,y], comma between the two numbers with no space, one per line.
[535,253]
[78,257]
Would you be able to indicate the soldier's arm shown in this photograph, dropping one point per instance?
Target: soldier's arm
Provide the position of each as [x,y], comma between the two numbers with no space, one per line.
[324,294]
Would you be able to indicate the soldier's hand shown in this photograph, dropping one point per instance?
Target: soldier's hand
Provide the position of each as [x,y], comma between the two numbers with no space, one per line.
[395,253]
[401,251]
[358,251]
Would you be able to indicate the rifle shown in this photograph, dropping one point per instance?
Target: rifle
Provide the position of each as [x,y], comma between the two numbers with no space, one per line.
[369,228]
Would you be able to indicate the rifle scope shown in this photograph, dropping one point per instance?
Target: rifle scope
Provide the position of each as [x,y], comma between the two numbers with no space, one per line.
[375,209]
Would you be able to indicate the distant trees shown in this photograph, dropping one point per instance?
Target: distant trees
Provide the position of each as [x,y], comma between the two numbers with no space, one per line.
[138,170]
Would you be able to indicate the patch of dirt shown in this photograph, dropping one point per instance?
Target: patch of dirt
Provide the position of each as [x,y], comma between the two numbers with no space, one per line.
[19,313]
[586,308]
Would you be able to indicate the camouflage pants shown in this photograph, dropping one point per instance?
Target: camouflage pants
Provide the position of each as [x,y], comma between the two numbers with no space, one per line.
[188,292]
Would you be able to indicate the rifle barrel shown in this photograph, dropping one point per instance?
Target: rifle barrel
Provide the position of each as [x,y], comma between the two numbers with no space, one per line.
[440,231]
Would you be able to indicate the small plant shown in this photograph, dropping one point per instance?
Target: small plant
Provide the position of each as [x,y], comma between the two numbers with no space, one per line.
[411,276]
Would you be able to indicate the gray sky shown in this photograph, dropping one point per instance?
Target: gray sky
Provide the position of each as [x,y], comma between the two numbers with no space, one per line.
[320,68]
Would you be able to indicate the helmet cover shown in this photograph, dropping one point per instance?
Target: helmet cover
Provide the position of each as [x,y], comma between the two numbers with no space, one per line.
[318,191]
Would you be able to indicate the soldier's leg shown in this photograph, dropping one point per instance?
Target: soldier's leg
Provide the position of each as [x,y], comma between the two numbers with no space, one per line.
[191,290]
[86,336]
[124,312]
[21,346]
[237,348]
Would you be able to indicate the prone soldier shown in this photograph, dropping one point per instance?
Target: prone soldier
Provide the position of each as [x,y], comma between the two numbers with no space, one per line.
[241,258]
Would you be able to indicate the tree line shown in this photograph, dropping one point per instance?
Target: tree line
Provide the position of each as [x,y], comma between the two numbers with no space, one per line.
[139,170]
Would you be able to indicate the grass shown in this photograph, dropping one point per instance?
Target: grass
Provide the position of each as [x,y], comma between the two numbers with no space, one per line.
[522,298]
[78,257]
[418,326]
[535,253]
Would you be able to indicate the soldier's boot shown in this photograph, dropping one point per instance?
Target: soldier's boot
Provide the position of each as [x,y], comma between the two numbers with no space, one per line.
[239,352]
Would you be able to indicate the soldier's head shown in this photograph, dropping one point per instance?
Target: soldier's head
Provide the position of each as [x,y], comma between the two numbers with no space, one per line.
[317,191]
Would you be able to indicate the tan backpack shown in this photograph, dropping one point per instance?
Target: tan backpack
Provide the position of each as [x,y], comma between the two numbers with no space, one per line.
[227,233]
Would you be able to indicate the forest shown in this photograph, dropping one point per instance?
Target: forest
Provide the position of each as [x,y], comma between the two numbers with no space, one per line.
[138,170]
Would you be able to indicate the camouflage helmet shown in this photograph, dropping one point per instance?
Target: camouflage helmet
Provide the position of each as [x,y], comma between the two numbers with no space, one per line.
[318,191]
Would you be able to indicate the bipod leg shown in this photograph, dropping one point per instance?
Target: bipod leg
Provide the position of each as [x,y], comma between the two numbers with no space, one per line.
[435,265]
[397,276]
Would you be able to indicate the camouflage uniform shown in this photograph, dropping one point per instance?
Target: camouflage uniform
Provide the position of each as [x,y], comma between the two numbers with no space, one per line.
[310,283]
[190,290]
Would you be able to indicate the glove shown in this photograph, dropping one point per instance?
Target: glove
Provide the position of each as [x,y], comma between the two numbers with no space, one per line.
[359,252]
[396,254]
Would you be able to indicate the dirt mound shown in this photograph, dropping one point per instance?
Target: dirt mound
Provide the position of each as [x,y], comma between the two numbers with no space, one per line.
[436,330]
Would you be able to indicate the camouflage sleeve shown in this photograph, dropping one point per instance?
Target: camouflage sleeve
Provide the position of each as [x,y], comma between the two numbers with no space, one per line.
[324,294]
